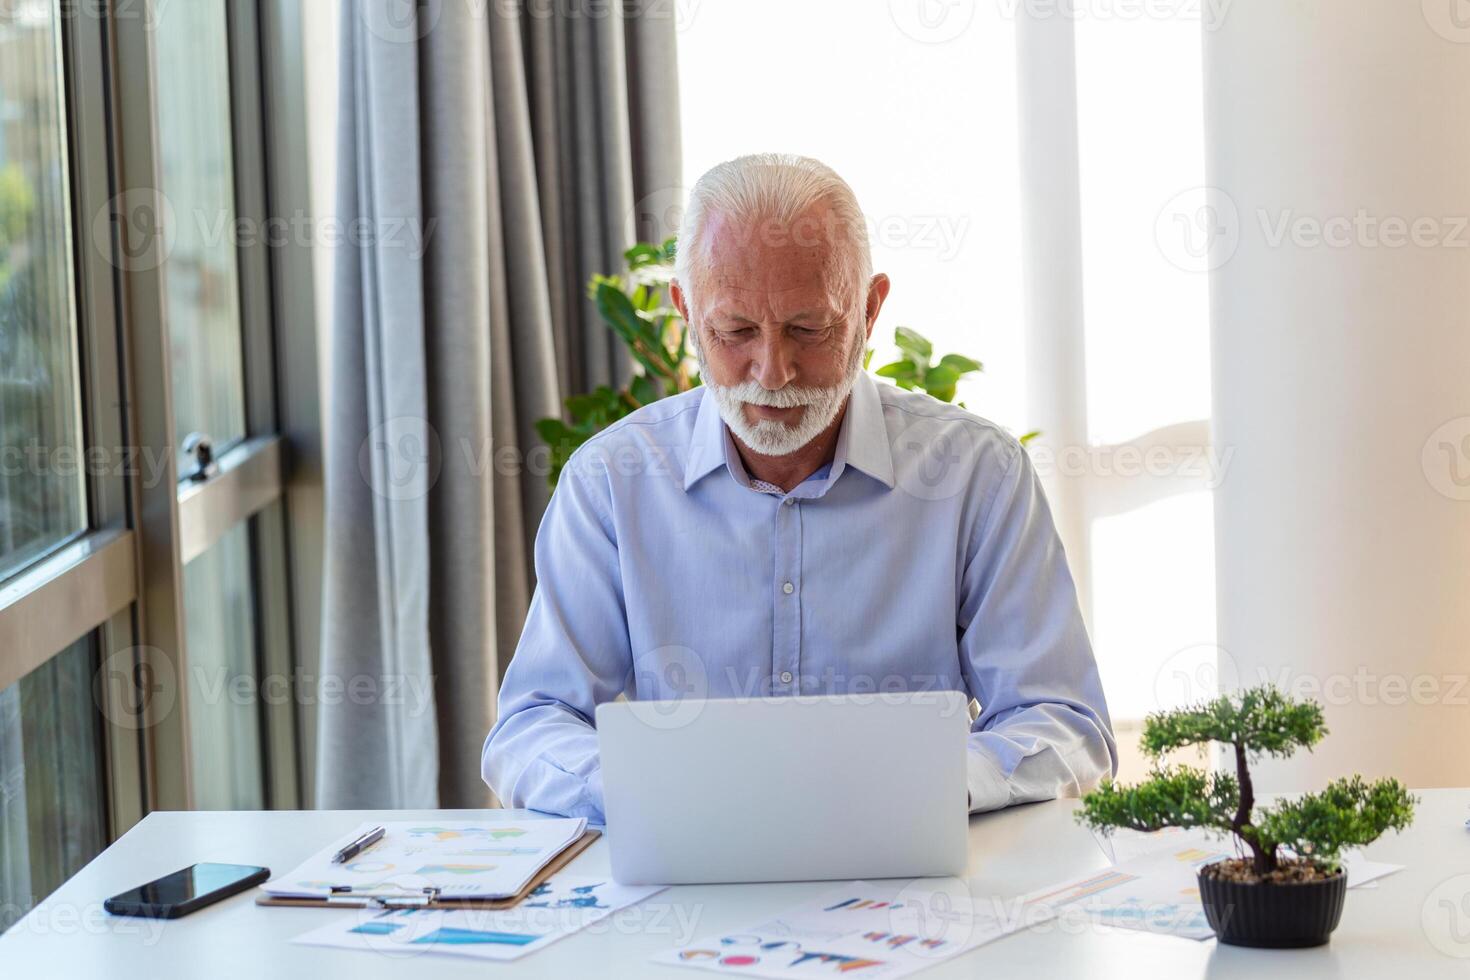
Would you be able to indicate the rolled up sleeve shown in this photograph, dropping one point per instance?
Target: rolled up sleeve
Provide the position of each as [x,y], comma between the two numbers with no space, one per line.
[573,654]
[1043,730]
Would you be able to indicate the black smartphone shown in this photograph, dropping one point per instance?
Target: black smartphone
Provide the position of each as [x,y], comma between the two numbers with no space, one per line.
[185,891]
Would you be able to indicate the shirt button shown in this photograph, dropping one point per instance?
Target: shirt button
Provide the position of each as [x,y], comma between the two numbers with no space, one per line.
[785,677]
[790,501]
[788,588]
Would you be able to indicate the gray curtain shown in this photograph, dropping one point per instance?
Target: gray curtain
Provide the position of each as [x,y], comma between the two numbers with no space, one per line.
[516,143]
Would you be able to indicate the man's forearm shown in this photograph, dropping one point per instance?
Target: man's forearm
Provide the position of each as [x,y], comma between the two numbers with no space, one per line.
[543,757]
[1041,752]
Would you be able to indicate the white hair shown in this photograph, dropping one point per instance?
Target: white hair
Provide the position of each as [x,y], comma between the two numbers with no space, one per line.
[779,188]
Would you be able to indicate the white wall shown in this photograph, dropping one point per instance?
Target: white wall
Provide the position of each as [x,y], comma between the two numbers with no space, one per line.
[1342,374]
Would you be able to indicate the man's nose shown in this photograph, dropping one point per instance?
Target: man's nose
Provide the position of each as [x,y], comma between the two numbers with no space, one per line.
[775,362]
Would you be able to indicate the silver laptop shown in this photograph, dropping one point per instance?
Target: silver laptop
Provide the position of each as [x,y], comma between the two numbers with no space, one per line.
[785,789]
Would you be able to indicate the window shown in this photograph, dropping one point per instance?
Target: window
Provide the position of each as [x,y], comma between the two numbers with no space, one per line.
[40,424]
[139,606]
[928,131]
[202,277]
[936,173]
[52,817]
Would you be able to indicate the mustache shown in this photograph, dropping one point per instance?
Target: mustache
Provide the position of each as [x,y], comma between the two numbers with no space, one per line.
[791,396]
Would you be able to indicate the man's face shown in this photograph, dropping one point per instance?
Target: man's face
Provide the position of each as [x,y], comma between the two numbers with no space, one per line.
[780,329]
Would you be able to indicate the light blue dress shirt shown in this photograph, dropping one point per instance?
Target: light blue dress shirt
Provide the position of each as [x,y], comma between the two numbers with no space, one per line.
[923,558]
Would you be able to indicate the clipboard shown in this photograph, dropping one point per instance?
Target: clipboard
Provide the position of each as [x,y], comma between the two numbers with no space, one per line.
[433,901]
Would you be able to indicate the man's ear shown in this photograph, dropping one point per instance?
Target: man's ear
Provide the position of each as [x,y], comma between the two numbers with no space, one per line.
[681,303]
[878,288]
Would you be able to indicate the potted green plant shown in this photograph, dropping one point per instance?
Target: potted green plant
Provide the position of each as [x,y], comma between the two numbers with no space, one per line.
[1287,889]
[634,307]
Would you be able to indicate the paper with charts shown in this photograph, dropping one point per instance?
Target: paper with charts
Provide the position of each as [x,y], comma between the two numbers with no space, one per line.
[556,908]
[460,858]
[862,929]
[1156,889]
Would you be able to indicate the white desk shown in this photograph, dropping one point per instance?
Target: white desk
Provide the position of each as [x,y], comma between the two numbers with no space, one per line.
[1387,932]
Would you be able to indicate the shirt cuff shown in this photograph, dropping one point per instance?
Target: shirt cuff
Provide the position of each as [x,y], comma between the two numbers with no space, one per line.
[989,788]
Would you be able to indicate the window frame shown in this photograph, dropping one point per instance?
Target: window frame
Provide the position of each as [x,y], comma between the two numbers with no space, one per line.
[122,578]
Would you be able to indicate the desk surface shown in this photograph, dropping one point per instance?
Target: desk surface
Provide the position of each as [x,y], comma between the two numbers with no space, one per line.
[1415,923]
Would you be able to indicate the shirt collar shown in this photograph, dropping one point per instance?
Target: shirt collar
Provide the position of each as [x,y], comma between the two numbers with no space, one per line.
[862,442]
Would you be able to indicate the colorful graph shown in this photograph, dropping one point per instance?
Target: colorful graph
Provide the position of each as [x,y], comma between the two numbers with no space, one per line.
[843,962]
[444,833]
[449,936]
[853,904]
[899,941]
[456,869]
[582,897]
[368,867]
[498,852]
[1082,889]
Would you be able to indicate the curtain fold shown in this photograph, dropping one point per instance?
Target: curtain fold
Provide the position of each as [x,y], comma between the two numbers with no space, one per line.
[513,143]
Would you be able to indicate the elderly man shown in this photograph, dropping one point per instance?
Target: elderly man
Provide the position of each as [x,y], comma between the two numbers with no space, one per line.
[793,527]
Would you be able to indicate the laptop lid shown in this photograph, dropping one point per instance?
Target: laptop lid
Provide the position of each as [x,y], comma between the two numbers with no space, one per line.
[785,789]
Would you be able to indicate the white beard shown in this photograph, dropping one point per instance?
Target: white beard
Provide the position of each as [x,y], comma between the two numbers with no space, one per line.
[772,437]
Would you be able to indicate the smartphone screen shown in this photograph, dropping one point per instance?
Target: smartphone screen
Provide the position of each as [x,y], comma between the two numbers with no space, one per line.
[187,890]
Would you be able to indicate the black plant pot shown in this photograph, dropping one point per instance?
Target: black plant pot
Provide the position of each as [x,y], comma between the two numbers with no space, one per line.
[1273,916]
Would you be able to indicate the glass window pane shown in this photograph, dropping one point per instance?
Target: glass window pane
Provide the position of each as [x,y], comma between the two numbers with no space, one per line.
[938,189]
[201,276]
[224,710]
[53,817]
[1146,223]
[41,499]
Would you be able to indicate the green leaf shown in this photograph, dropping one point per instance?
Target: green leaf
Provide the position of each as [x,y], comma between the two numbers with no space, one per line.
[1179,796]
[1261,719]
[1348,813]
[899,370]
[645,390]
[636,332]
[1033,434]
[643,254]
[552,431]
[961,364]
[915,345]
[940,377]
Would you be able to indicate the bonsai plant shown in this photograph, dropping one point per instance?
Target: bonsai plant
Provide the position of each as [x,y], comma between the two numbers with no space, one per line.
[1274,897]
[634,307]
